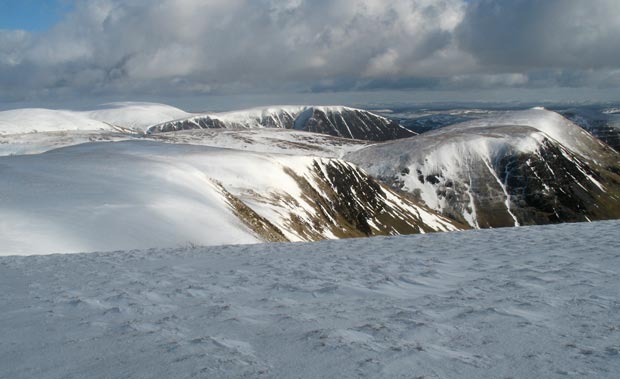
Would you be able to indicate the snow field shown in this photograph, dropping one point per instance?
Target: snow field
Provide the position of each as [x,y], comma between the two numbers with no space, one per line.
[524,302]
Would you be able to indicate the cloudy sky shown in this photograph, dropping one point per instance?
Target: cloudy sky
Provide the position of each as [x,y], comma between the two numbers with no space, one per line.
[439,50]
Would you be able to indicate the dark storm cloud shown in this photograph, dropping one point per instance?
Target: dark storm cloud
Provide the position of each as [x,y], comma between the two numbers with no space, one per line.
[534,34]
[246,46]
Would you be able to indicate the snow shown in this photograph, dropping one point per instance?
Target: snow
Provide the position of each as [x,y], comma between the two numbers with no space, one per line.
[502,185]
[455,152]
[251,117]
[141,194]
[450,153]
[611,111]
[266,140]
[131,116]
[548,122]
[257,112]
[40,142]
[108,196]
[133,194]
[30,120]
[136,116]
[280,116]
[519,302]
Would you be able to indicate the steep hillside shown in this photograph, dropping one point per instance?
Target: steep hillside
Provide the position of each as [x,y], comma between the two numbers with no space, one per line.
[336,121]
[516,168]
[139,194]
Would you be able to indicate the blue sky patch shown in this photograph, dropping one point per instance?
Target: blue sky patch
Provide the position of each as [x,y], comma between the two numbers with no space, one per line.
[32,15]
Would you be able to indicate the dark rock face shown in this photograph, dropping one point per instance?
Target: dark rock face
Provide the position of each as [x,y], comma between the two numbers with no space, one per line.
[552,185]
[355,124]
[335,121]
[557,186]
[349,203]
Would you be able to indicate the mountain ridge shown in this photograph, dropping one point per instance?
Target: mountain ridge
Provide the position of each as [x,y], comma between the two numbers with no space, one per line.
[337,121]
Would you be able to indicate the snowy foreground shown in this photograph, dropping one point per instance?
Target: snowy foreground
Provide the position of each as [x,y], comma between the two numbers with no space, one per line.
[524,302]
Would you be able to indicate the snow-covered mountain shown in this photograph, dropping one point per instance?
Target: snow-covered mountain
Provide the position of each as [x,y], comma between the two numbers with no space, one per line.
[265,176]
[134,115]
[138,194]
[124,117]
[153,118]
[336,121]
[513,168]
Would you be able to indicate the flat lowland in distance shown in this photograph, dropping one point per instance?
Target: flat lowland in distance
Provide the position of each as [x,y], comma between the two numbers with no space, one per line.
[516,302]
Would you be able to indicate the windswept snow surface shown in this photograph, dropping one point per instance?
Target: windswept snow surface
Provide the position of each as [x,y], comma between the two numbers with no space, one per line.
[531,302]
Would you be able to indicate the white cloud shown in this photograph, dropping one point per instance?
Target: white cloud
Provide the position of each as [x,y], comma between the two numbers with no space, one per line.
[198,46]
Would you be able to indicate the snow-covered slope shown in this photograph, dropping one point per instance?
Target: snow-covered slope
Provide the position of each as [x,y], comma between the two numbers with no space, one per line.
[30,120]
[138,194]
[535,302]
[265,140]
[550,123]
[514,168]
[40,142]
[136,116]
[129,116]
[337,121]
